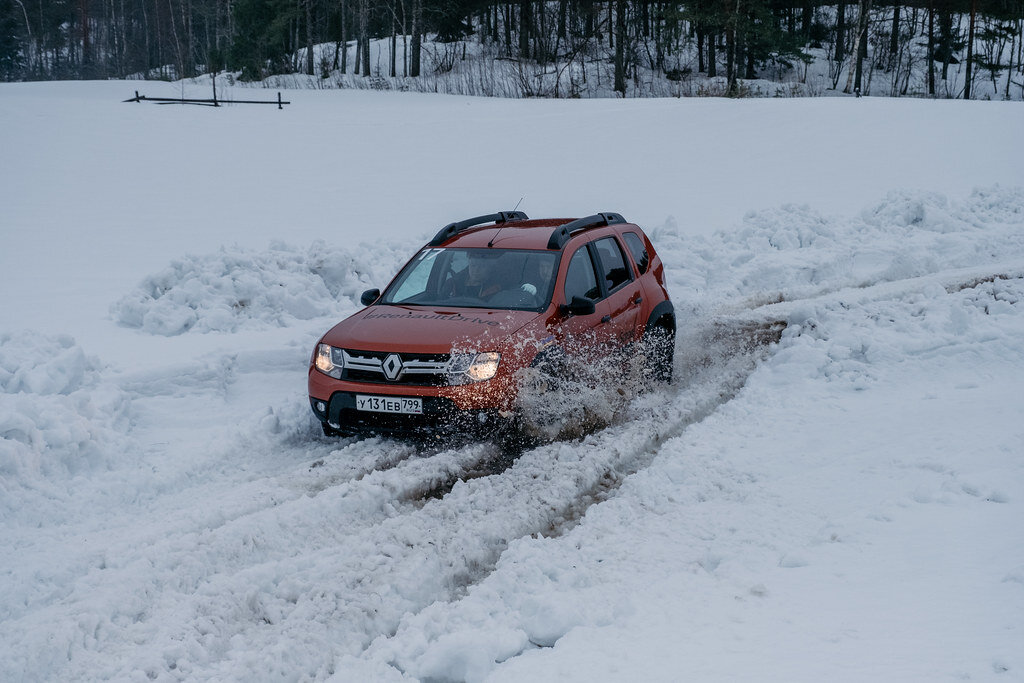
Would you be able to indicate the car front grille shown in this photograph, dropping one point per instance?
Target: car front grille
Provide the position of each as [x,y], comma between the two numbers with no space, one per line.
[381,367]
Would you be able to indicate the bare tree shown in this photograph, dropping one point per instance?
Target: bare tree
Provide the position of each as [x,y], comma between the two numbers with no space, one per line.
[853,78]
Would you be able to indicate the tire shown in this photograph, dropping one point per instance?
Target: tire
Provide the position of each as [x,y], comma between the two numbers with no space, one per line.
[661,349]
[331,431]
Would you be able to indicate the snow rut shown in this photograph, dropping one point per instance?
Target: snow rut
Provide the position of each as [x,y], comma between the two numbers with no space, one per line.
[319,576]
[314,561]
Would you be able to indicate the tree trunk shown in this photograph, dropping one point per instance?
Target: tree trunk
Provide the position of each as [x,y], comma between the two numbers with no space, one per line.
[84,7]
[620,47]
[840,53]
[309,37]
[894,36]
[946,31]
[508,29]
[394,50]
[1009,66]
[861,38]
[730,49]
[344,36]
[931,49]
[970,52]
[700,51]
[416,41]
[364,23]
[712,57]
[525,29]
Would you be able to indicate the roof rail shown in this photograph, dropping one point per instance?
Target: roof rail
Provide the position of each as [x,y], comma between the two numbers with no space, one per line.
[453,229]
[562,233]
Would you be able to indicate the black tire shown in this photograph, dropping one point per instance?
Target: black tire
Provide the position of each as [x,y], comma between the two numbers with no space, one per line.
[661,349]
[331,431]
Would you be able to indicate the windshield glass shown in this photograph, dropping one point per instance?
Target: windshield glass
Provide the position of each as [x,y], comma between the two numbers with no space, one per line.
[515,279]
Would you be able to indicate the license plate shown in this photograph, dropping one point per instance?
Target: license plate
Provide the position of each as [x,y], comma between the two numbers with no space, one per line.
[390,404]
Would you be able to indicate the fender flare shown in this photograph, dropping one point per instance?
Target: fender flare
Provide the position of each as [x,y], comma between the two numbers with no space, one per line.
[662,310]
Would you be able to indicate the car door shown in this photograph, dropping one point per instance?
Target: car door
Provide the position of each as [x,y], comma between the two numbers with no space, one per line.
[581,335]
[624,295]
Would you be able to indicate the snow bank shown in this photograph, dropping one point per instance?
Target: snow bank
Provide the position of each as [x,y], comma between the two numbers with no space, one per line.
[238,288]
[33,364]
[792,252]
[777,254]
[57,419]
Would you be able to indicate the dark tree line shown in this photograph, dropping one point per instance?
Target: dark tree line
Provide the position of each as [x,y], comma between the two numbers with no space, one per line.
[737,39]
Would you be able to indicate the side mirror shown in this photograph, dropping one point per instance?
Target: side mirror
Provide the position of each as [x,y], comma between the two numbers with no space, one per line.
[579,306]
[369,296]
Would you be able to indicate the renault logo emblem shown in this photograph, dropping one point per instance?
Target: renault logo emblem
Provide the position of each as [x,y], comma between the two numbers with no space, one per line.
[392,366]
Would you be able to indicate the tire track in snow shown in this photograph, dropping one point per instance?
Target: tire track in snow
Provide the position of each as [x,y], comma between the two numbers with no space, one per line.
[358,583]
[332,593]
[780,305]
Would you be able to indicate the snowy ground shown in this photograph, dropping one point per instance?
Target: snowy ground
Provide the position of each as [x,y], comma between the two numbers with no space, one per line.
[844,503]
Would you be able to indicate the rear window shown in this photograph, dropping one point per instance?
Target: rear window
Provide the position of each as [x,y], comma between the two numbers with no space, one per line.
[580,279]
[636,247]
[613,263]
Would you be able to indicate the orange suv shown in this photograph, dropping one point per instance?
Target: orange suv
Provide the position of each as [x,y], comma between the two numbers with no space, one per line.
[447,344]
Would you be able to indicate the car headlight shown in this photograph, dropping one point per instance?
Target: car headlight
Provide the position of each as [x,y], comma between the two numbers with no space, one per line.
[329,360]
[484,367]
[469,367]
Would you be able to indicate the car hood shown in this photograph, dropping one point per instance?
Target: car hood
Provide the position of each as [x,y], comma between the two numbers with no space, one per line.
[419,329]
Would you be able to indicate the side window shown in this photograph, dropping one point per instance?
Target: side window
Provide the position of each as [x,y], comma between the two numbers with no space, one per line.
[636,247]
[580,279]
[613,263]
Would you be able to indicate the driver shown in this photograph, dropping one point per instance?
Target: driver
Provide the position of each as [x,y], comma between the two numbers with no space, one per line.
[474,281]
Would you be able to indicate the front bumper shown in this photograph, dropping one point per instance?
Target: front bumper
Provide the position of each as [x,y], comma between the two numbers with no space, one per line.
[440,417]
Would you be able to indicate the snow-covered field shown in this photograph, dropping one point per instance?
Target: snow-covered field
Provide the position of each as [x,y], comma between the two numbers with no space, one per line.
[844,504]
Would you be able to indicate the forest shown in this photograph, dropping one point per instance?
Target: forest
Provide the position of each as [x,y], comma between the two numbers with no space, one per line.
[915,43]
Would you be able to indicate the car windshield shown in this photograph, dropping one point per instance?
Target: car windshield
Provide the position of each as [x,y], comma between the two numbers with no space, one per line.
[513,279]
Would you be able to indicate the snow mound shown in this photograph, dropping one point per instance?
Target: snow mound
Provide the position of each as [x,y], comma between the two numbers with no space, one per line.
[793,252]
[56,419]
[237,288]
[33,364]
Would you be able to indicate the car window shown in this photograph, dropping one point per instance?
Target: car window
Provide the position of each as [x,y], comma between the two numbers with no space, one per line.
[636,247]
[613,263]
[512,279]
[412,283]
[580,279]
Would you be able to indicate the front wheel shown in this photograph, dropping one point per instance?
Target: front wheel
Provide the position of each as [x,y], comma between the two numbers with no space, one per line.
[661,348]
[331,431]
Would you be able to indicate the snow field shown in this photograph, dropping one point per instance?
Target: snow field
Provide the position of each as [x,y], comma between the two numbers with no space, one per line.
[355,560]
[844,504]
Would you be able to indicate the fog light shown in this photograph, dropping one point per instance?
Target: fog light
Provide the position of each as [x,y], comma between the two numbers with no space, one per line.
[321,406]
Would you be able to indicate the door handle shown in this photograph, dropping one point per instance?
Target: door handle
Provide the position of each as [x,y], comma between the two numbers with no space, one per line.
[606,319]
[638,300]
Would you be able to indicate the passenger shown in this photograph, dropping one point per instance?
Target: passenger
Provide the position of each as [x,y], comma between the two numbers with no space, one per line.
[545,268]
